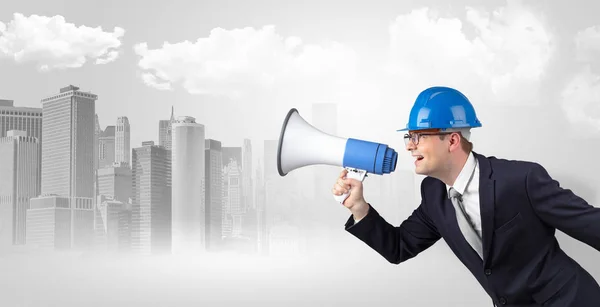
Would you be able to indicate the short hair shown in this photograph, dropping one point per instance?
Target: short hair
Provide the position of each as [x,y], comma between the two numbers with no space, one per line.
[465,144]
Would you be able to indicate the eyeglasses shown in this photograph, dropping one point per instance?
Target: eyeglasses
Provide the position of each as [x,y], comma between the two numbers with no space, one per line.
[414,137]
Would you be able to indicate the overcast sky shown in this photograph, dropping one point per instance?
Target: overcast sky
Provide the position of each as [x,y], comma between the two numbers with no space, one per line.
[239,66]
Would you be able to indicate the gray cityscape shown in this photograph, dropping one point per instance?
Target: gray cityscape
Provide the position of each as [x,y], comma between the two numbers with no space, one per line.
[138,142]
[84,187]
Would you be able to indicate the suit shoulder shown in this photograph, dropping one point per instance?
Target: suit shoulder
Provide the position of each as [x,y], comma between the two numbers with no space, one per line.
[511,166]
[430,181]
[431,185]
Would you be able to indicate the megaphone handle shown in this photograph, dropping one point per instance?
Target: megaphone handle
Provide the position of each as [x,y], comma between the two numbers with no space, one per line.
[353,173]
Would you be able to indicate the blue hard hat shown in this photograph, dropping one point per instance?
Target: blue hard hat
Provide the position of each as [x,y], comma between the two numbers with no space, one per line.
[443,108]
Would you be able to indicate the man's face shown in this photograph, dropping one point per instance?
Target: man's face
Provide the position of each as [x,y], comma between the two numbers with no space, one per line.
[429,154]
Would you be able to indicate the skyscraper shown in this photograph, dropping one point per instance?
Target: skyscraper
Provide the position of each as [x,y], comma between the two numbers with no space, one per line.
[19,182]
[97,133]
[59,222]
[247,186]
[232,199]
[22,119]
[232,154]
[164,131]
[110,224]
[115,182]
[250,218]
[62,217]
[106,147]
[122,141]
[68,143]
[189,220]
[213,194]
[151,200]
[268,214]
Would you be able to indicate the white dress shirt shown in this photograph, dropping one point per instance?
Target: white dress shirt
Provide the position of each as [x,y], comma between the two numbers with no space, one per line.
[469,190]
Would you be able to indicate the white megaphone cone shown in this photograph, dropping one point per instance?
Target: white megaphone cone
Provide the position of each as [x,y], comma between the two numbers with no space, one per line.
[301,144]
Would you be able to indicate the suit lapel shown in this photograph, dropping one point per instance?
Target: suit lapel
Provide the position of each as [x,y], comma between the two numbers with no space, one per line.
[486,203]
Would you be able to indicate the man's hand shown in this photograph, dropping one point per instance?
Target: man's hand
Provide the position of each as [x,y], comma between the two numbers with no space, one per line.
[355,201]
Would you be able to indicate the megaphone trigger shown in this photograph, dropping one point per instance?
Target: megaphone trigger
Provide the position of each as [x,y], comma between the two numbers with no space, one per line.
[353,173]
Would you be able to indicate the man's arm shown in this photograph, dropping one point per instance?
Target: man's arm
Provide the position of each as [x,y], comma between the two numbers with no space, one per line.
[396,244]
[562,209]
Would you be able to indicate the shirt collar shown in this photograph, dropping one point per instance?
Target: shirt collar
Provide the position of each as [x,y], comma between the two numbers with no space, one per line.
[461,182]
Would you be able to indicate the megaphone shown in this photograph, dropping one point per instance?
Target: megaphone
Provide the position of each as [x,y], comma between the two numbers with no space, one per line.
[301,144]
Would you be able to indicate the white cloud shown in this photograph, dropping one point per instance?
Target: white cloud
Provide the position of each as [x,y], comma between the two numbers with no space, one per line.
[151,80]
[53,43]
[244,62]
[580,96]
[503,61]
[580,101]
[587,43]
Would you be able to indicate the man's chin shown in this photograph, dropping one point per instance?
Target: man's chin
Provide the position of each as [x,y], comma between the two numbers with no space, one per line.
[419,170]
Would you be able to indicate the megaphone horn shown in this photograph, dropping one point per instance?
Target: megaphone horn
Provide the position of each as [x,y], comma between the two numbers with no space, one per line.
[301,144]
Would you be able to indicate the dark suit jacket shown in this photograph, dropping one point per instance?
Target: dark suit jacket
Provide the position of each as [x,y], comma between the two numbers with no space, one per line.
[521,206]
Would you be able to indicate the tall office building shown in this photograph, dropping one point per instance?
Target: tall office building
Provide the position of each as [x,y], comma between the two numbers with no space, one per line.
[213,194]
[232,200]
[164,131]
[97,133]
[63,216]
[58,222]
[106,147]
[115,182]
[247,186]
[270,160]
[68,143]
[19,182]
[151,200]
[270,213]
[122,141]
[250,217]
[125,228]
[232,154]
[22,119]
[233,207]
[109,224]
[189,221]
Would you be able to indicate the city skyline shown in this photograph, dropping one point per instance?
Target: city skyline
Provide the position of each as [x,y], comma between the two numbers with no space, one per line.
[131,210]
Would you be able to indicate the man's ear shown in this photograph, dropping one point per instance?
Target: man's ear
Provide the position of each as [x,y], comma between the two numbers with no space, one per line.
[454,141]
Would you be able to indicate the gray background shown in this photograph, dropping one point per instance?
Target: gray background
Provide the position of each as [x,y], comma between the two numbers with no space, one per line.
[530,68]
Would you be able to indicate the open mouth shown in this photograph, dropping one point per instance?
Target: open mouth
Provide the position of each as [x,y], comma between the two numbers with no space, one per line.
[418,159]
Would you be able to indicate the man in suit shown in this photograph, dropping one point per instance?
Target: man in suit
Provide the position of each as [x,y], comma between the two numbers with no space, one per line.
[498,216]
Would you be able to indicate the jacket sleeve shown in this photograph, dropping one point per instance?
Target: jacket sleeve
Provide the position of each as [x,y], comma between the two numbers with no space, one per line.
[396,244]
[562,209]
